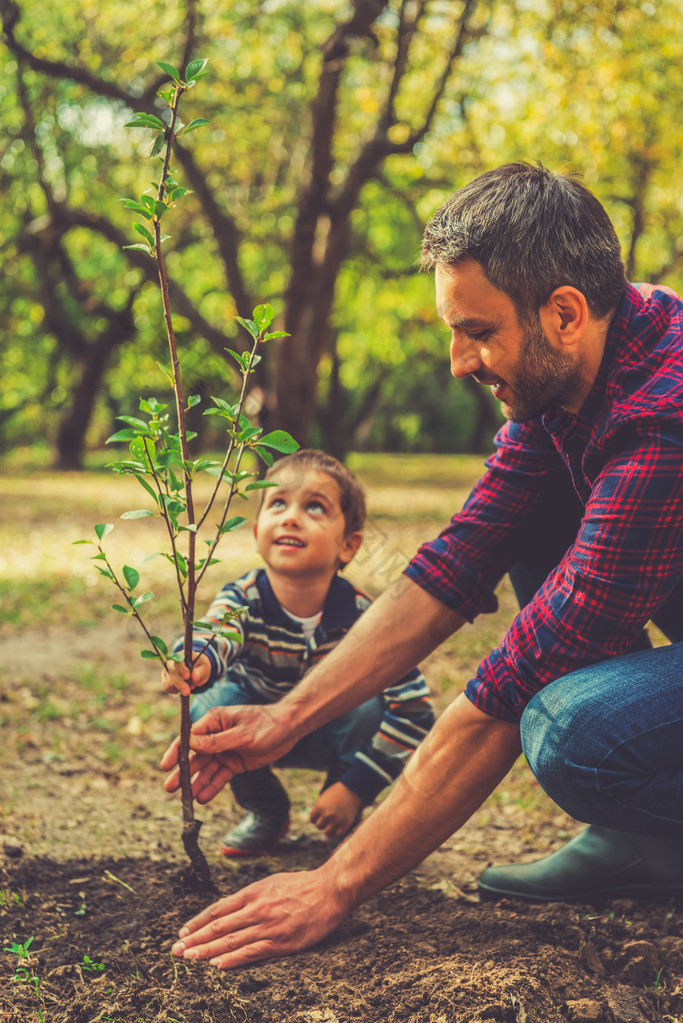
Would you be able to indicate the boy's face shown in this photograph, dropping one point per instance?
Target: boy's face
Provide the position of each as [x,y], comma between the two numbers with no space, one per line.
[300,529]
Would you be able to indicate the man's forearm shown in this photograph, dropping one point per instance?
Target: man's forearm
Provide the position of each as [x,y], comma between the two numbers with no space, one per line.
[453,772]
[396,632]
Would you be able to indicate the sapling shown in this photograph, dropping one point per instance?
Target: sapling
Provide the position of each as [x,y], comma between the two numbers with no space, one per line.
[159,456]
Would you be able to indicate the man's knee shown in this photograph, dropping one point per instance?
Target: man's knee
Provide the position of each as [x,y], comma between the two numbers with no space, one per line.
[553,741]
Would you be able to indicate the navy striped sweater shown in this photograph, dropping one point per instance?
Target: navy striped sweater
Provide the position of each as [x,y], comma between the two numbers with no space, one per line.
[273,655]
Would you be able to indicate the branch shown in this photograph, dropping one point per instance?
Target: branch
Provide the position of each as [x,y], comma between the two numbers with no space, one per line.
[224,230]
[10,14]
[66,217]
[375,151]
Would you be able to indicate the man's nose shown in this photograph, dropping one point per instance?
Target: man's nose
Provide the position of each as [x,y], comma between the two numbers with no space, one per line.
[465,358]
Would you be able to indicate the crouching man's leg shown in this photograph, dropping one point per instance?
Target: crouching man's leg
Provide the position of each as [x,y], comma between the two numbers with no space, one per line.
[606,744]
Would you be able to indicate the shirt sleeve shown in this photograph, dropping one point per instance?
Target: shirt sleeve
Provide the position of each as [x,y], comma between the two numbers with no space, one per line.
[626,560]
[408,716]
[463,566]
[217,634]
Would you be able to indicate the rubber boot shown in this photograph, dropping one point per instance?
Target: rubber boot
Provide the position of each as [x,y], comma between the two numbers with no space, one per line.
[598,862]
[261,794]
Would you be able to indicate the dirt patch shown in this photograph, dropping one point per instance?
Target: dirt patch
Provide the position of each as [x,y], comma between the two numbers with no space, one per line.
[103,929]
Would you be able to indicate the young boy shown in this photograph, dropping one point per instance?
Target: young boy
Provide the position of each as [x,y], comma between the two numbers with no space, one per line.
[297,608]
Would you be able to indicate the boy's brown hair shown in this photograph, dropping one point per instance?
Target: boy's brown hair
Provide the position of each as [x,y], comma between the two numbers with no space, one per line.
[352,496]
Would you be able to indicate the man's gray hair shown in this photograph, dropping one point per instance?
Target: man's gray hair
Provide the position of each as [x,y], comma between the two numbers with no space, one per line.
[532,231]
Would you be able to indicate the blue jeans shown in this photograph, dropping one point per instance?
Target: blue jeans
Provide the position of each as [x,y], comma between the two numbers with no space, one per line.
[606,742]
[338,740]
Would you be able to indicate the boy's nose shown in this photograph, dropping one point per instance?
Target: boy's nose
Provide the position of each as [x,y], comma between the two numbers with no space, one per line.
[464,357]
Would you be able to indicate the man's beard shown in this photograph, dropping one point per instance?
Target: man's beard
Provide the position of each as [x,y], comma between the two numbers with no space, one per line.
[542,375]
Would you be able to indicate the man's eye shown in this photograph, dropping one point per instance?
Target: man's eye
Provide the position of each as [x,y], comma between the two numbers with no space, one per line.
[481,336]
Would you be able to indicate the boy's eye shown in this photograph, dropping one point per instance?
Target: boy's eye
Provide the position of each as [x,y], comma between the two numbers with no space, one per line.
[316,508]
[277,502]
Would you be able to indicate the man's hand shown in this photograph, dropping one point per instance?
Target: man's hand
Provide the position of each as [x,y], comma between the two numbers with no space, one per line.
[176,677]
[224,742]
[277,916]
[335,810]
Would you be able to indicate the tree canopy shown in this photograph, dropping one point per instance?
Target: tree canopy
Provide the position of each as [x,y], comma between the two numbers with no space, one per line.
[336,129]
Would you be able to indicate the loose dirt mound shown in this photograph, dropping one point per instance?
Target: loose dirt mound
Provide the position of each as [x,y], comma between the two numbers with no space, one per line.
[102,931]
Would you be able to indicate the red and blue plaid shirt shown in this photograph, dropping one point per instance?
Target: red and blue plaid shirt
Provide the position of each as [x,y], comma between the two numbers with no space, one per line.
[624,454]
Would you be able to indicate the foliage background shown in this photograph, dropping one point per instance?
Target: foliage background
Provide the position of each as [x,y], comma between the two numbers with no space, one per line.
[336,130]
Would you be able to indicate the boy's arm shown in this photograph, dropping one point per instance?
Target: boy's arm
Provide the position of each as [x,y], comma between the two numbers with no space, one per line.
[218,636]
[408,716]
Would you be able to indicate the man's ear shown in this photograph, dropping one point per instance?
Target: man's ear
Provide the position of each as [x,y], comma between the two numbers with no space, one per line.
[349,546]
[565,316]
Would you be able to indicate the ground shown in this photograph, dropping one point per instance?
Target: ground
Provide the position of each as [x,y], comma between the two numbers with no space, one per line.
[90,856]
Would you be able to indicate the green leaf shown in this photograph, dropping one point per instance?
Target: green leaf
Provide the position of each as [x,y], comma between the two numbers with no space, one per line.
[143,483]
[103,529]
[74,543]
[139,247]
[178,658]
[146,121]
[279,440]
[152,406]
[260,485]
[193,400]
[143,598]
[248,325]
[141,229]
[263,316]
[149,655]
[170,70]
[158,144]
[233,523]
[198,122]
[137,513]
[122,435]
[178,193]
[141,210]
[158,642]
[142,426]
[264,455]
[194,67]
[132,576]
[274,334]
[120,608]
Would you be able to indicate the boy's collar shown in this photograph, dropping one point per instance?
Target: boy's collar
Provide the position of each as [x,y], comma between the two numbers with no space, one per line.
[339,608]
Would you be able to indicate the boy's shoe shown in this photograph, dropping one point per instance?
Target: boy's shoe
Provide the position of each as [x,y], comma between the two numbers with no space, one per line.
[256,835]
[261,793]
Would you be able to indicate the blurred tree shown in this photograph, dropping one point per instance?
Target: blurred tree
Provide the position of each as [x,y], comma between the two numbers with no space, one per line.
[336,129]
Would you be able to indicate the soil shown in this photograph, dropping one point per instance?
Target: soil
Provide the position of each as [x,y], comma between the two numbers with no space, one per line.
[91,862]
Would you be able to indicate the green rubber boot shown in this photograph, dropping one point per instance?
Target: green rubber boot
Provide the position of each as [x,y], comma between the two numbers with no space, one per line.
[598,862]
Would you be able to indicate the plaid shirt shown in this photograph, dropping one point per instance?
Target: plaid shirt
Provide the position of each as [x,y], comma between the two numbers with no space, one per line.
[623,452]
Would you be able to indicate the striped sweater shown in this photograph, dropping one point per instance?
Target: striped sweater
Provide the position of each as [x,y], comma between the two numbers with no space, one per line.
[269,649]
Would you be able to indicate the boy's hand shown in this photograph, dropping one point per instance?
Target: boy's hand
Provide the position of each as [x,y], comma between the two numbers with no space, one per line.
[176,677]
[335,810]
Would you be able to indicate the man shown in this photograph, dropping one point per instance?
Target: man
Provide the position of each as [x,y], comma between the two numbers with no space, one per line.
[583,504]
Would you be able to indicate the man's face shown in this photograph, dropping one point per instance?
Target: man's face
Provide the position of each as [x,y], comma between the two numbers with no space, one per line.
[488,342]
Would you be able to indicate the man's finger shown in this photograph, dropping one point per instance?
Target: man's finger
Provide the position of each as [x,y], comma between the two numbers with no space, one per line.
[170,757]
